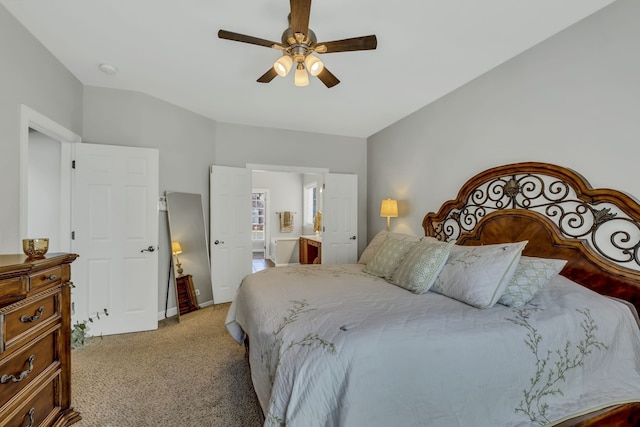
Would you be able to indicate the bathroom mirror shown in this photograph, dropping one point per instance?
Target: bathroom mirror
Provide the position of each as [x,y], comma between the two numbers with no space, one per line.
[190,251]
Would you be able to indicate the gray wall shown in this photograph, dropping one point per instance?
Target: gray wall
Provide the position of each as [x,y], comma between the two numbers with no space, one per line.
[573,100]
[29,75]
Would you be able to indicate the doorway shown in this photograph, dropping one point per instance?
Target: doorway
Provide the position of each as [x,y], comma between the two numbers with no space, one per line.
[45,165]
[259,238]
[259,230]
[46,216]
[285,191]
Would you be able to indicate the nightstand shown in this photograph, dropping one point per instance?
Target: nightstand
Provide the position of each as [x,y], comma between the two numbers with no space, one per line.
[186,297]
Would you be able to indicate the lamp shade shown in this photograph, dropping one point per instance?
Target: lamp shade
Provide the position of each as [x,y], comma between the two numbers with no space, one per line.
[283,65]
[176,248]
[389,208]
[302,77]
[314,65]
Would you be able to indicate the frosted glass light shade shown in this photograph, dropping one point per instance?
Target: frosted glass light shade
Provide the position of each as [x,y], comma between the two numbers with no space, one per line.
[283,65]
[301,77]
[314,65]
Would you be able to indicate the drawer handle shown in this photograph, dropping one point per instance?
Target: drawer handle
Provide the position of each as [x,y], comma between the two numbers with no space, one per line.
[31,412]
[51,277]
[26,319]
[5,378]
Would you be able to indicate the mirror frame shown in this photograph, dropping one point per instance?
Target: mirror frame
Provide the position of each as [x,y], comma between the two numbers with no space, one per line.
[191,266]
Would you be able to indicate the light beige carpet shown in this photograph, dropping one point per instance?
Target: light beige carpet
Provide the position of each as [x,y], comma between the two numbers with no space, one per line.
[184,374]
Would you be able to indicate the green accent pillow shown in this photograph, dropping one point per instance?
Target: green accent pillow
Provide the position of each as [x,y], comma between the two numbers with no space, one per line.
[531,275]
[388,257]
[421,267]
[478,275]
[374,244]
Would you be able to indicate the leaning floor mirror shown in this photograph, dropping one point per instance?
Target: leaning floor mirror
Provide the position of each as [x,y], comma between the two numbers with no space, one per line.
[189,251]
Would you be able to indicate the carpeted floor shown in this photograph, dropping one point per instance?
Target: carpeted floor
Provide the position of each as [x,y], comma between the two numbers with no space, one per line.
[184,374]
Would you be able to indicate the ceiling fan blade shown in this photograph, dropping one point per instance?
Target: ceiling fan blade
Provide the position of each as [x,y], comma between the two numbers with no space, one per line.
[300,11]
[228,35]
[348,45]
[268,76]
[328,78]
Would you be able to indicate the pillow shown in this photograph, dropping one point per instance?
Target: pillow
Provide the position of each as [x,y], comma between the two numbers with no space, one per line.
[478,275]
[377,240]
[531,275]
[388,257]
[421,267]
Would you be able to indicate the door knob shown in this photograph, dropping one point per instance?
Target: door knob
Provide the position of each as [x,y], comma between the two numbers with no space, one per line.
[352,238]
[149,249]
[218,242]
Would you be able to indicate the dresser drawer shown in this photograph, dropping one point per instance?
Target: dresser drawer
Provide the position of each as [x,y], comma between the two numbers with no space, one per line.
[13,288]
[39,409]
[45,278]
[25,365]
[19,319]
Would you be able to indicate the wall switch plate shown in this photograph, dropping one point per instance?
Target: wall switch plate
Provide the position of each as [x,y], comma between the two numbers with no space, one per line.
[162,203]
[198,292]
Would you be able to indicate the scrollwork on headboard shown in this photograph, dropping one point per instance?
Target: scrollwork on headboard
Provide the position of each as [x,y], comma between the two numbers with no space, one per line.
[607,219]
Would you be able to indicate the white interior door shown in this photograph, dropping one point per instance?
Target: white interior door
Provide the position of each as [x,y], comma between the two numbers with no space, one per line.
[340,219]
[231,247]
[115,226]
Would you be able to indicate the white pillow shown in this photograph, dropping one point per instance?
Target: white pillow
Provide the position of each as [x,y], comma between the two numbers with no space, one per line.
[478,275]
[377,240]
[531,275]
[421,267]
[388,257]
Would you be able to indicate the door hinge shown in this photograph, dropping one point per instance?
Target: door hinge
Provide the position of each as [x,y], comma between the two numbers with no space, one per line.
[324,186]
[73,235]
[73,164]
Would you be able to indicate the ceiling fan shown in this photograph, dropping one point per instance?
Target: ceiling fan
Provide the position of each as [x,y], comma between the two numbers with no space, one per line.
[298,45]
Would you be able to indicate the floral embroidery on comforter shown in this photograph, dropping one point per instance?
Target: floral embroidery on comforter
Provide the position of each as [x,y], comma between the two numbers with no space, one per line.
[331,345]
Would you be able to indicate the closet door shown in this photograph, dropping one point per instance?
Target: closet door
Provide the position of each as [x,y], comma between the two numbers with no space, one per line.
[340,219]
[115,224]
[230,215]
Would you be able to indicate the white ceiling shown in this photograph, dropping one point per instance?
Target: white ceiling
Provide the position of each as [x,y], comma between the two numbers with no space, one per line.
[169,49]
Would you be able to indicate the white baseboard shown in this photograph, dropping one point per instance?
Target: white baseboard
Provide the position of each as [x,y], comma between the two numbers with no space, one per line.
[173,311]
[286,264]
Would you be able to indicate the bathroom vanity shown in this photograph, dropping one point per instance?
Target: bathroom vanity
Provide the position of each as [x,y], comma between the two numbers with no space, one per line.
[310,249]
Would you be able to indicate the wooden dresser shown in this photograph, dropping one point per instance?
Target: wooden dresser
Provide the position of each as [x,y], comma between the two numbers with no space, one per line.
[35,346]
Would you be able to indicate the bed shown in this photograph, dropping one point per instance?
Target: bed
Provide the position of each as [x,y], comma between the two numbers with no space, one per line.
[517,308]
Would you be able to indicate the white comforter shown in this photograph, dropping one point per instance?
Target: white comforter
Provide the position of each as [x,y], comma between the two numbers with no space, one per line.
[333,346]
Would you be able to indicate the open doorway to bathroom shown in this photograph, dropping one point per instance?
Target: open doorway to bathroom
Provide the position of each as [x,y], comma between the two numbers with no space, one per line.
[259,200]
[286,187]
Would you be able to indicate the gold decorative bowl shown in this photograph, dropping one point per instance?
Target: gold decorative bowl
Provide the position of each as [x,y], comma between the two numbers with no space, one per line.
[35,248]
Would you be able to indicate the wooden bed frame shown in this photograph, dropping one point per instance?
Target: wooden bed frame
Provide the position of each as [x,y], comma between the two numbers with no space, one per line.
[596,230]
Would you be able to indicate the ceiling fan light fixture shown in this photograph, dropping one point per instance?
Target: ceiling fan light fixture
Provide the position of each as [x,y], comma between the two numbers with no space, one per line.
[314,65]
[301,77]
[283,65]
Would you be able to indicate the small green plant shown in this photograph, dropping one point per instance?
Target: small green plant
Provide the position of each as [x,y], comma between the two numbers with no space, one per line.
[79,332]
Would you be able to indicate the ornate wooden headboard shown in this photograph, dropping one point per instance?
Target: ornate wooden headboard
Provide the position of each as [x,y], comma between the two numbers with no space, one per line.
[596,230]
